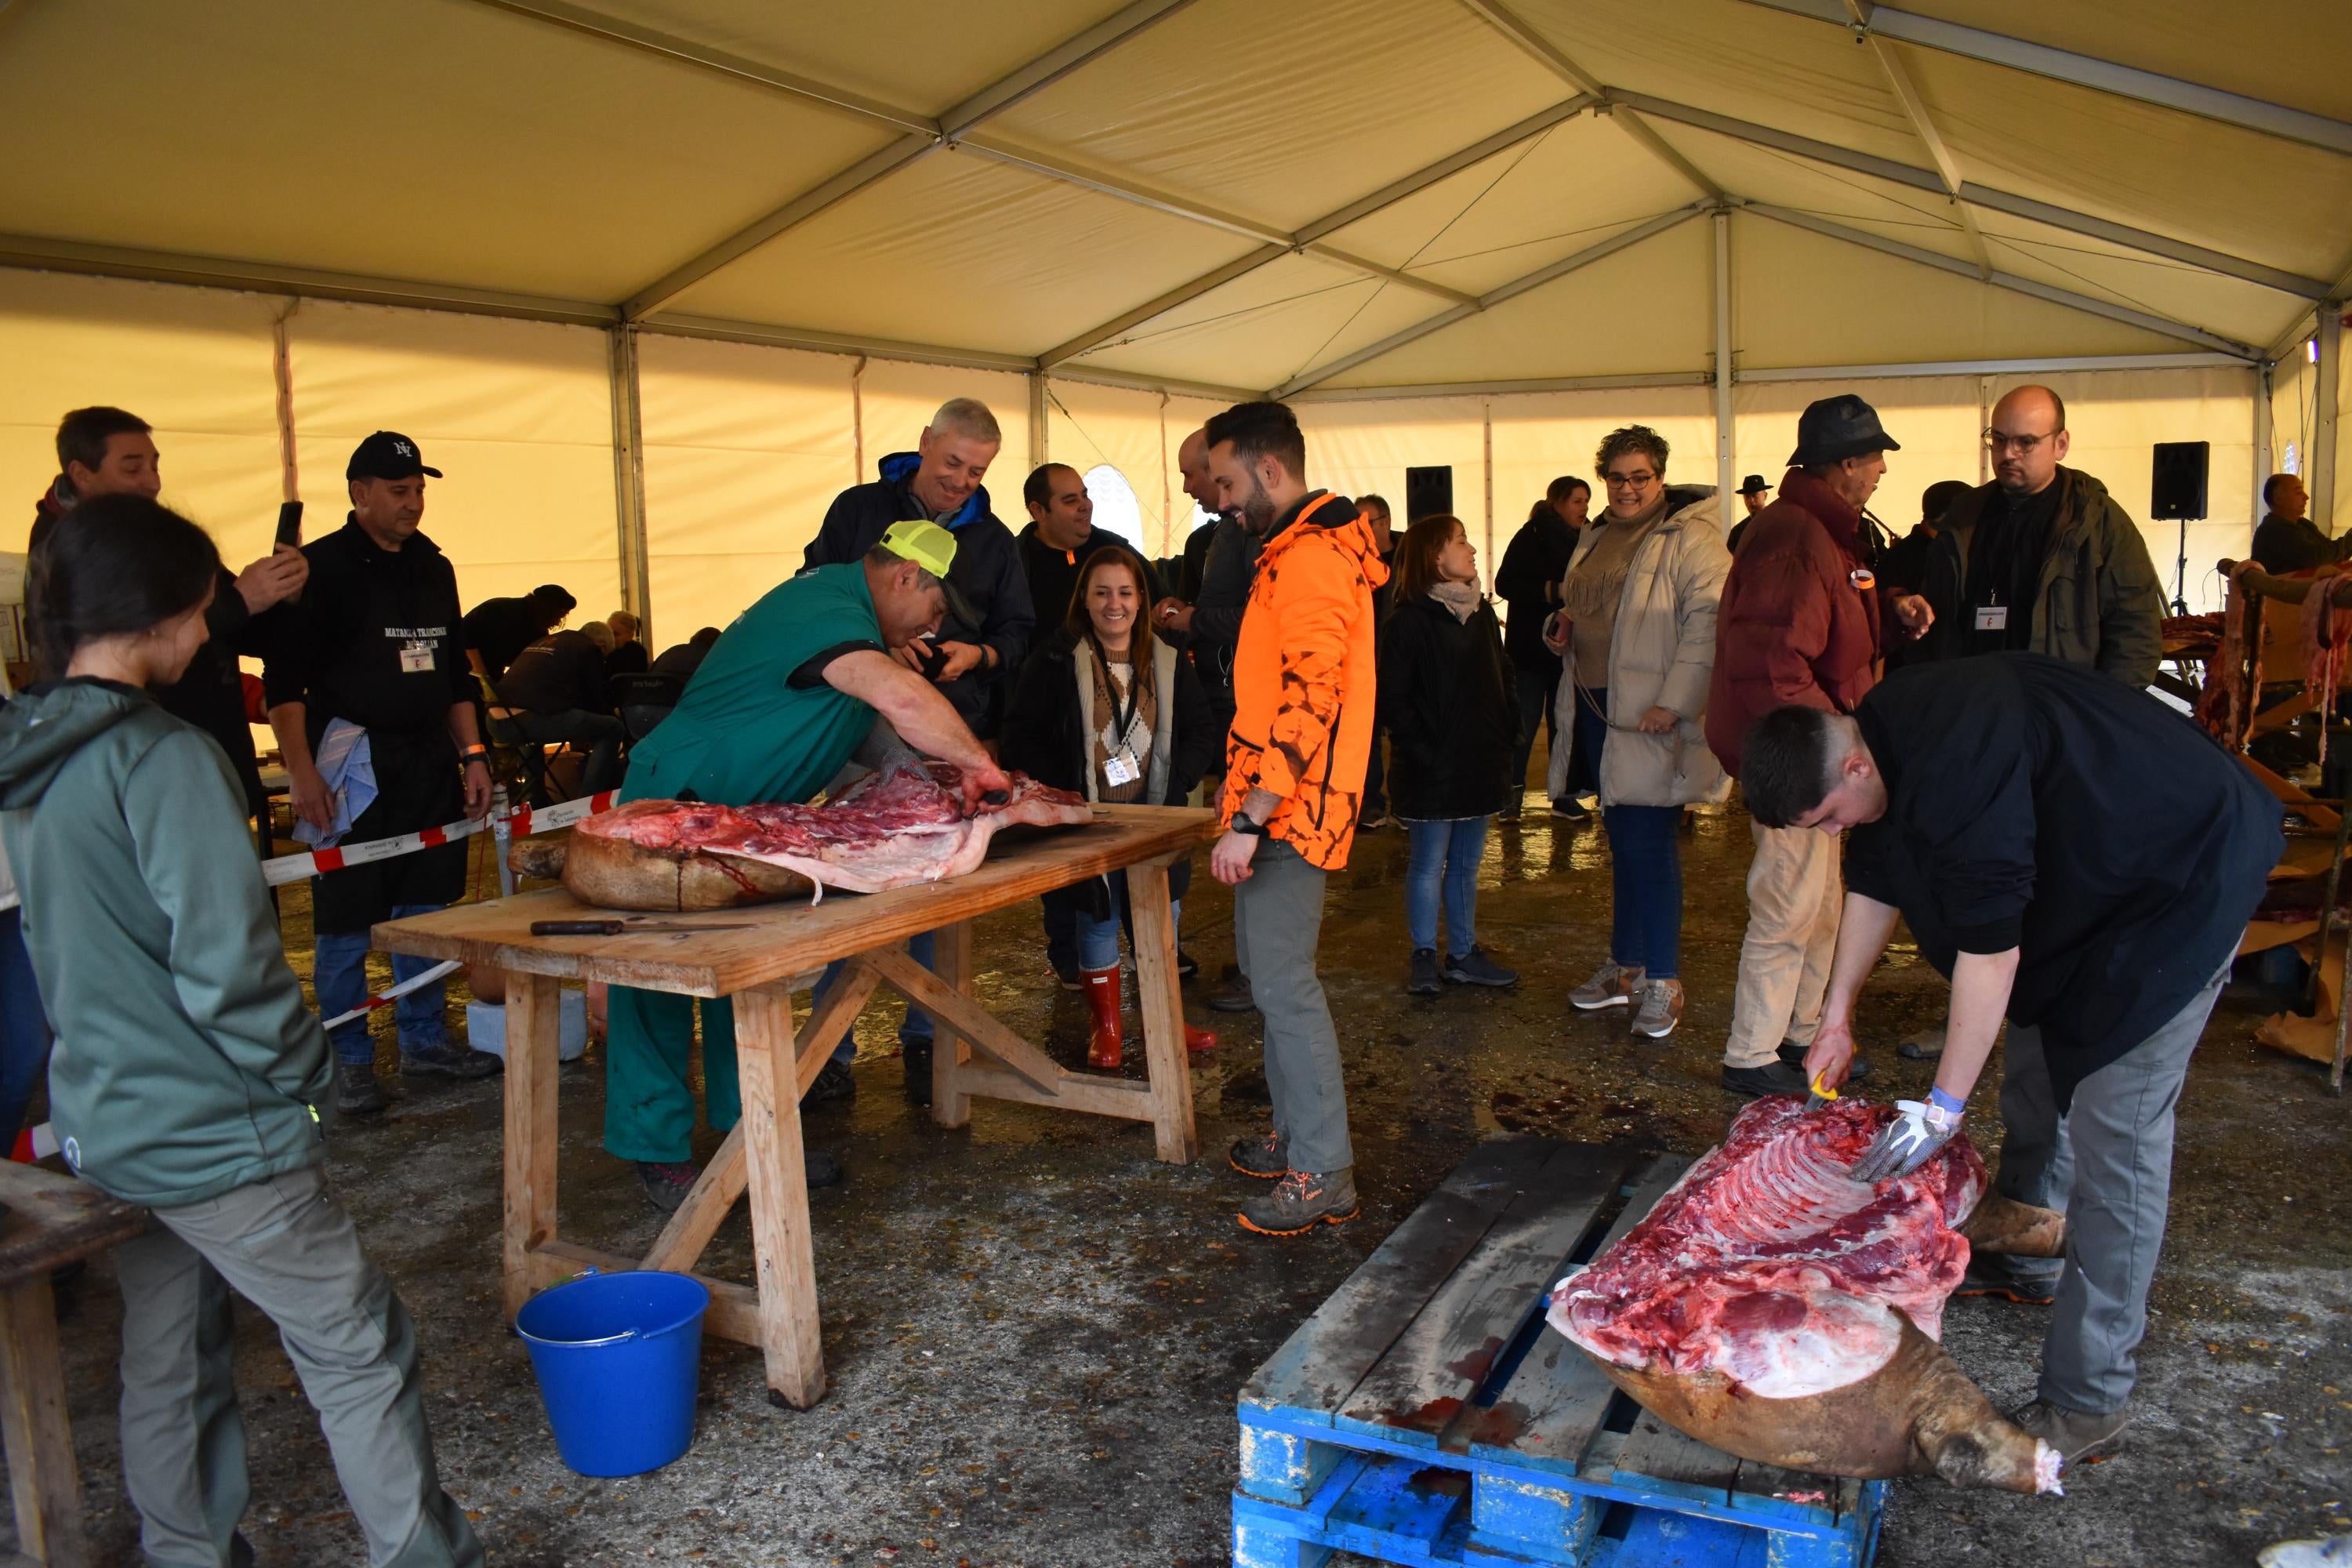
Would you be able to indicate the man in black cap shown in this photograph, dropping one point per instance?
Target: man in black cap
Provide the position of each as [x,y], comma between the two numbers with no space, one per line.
[1801,620]
[1752,491]
[2043,559]
[496,630]
[374,707]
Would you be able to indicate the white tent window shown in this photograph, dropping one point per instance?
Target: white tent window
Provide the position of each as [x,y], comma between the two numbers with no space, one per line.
[1115,508]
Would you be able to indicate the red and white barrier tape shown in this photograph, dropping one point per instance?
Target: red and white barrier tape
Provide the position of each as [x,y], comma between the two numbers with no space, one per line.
[40,1142]
[521,824]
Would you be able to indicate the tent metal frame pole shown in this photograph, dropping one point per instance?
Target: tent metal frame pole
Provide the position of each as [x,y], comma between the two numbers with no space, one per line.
[2143,320]
[2262,470]
[1038,446]
[1985,196]
[2081,70]
[2322,465]
[629,477]
[1923,124]
[2048,366]
[1727,435]
[1509,388]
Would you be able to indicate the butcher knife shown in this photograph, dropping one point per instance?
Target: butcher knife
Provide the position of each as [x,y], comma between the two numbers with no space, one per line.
[620,928]
[1820,1095]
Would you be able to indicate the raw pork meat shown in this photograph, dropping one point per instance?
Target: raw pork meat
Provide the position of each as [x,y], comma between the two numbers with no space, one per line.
[889,830]
[1769,1264]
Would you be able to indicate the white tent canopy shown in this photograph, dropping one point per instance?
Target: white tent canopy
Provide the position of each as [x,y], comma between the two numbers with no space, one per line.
[1473,232]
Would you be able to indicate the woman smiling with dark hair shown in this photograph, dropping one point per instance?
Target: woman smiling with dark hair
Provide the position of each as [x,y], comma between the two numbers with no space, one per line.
[187,1075]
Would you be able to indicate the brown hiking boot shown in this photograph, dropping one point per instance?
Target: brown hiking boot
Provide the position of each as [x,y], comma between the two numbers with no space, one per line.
[1265,1157]
[1301,1201]
[1659,1009]
[1612,985]
[2079,1437]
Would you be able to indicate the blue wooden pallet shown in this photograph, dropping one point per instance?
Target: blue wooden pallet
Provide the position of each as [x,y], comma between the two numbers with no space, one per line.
[1425,1414]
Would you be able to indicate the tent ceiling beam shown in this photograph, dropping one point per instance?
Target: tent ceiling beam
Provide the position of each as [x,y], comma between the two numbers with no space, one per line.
[1280,245]
[1208,389]
[1540,49]
[683,325]
[220,272]
[1923,124]
[1508,388]
[2067,297]
[2082,70]
[2047,366]
[1511,291]
[1985,196]
[927,135]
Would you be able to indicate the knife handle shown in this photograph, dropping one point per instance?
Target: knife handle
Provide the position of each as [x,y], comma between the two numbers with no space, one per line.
[576,928]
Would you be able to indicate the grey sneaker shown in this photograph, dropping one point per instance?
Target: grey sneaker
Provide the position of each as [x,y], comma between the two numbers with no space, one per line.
[1925,1046]
[356,1091]
[2080,1439]
[1266,1156]
[1773,1077]
[1421,973]
[1611,986]
[833,1081]
[448,1060]
[1474,968]
[1660,1008]
[1300,1201]
[1232,997]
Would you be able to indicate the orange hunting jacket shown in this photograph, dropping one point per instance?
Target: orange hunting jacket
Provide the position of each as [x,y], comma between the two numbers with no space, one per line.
[1303,678]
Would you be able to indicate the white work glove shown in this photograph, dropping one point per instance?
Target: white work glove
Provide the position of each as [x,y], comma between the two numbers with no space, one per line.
[1911,1138]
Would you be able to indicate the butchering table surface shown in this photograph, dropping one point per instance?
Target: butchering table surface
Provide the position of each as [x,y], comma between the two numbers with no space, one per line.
[781,948]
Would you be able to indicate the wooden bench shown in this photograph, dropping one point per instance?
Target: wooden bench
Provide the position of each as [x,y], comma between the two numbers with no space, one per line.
[52,1220]
[1426,1414]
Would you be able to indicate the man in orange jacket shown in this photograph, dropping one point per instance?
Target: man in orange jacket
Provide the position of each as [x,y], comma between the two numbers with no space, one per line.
[1294,763]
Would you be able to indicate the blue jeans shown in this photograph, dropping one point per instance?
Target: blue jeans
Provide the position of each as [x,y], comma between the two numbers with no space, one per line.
[1099,939]
[1645,860]
[339,975]
[1444,855]
[917,1027]
[23,1028]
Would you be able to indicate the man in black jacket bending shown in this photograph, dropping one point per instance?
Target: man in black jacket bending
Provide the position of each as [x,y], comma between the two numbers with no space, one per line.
[2069,853]
[974,664]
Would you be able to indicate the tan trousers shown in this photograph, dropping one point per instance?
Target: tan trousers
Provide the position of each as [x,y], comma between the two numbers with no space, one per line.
[1794,897]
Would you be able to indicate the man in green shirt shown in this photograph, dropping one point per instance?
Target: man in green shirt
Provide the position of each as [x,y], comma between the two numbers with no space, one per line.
[776,710]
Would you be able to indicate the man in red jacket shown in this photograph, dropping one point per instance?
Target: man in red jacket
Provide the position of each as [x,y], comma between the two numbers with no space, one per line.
[1802,620]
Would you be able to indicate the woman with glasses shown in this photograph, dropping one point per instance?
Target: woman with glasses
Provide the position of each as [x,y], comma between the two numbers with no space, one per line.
[1636,632]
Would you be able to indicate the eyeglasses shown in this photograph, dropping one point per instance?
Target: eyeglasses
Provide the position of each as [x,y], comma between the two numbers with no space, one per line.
[1629,481]
[1996,441]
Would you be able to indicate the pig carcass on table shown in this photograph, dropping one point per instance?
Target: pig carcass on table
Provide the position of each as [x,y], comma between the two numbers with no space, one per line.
[1773,1306]
[892,830]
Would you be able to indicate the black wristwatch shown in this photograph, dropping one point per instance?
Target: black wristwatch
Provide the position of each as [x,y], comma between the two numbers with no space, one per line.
[1248,828]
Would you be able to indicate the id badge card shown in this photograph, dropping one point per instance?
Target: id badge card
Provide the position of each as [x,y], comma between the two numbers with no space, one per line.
[1992,618]
[1119,772]
[416,657]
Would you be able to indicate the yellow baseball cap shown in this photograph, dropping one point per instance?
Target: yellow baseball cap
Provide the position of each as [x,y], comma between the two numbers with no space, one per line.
[933,549]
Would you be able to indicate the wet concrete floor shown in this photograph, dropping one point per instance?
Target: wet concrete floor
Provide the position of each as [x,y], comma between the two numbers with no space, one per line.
[1034,1331]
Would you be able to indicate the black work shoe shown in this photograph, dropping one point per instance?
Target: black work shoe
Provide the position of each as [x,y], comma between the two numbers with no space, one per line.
[1066,970]
[1570,810]
[1511,811]
[1421,973]
[1233,996]
[917,1054]
[1265,1157]
[1187,965]
[667,1181]
[820,1169]
[1773,1077]
[1856,1071]
[448,1060]
[2081,1438]
[356,1091]
[1989,1276]
[1476,968]
[834,1081]
[1301,1201]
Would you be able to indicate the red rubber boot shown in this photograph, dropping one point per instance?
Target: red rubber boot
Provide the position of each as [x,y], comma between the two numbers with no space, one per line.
[1102,996]
[1199,1042]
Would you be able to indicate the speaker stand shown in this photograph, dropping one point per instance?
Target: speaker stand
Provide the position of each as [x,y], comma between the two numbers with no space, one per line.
[2180,573]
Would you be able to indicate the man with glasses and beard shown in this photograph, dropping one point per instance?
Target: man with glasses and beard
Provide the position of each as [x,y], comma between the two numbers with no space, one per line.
[2043,558]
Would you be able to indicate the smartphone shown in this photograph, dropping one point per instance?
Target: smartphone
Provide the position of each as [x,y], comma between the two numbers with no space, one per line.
[290,523]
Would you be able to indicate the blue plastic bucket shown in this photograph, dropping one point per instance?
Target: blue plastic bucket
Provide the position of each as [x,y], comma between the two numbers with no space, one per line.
[616,1356]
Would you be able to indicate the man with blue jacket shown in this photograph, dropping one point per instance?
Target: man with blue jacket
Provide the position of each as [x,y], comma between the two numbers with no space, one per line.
[978,651]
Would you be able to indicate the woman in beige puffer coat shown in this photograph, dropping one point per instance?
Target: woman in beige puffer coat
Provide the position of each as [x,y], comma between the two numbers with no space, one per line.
[1636,631]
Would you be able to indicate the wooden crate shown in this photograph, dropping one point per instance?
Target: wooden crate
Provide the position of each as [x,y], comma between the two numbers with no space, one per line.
[1425,1414]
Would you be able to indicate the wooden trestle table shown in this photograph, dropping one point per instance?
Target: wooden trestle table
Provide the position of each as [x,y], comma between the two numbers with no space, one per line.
[782,949]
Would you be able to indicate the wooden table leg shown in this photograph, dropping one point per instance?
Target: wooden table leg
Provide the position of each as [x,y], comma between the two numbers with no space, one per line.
[951,959]
[533,1018]
[41,1470]
[778,1182]
[1160,990]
